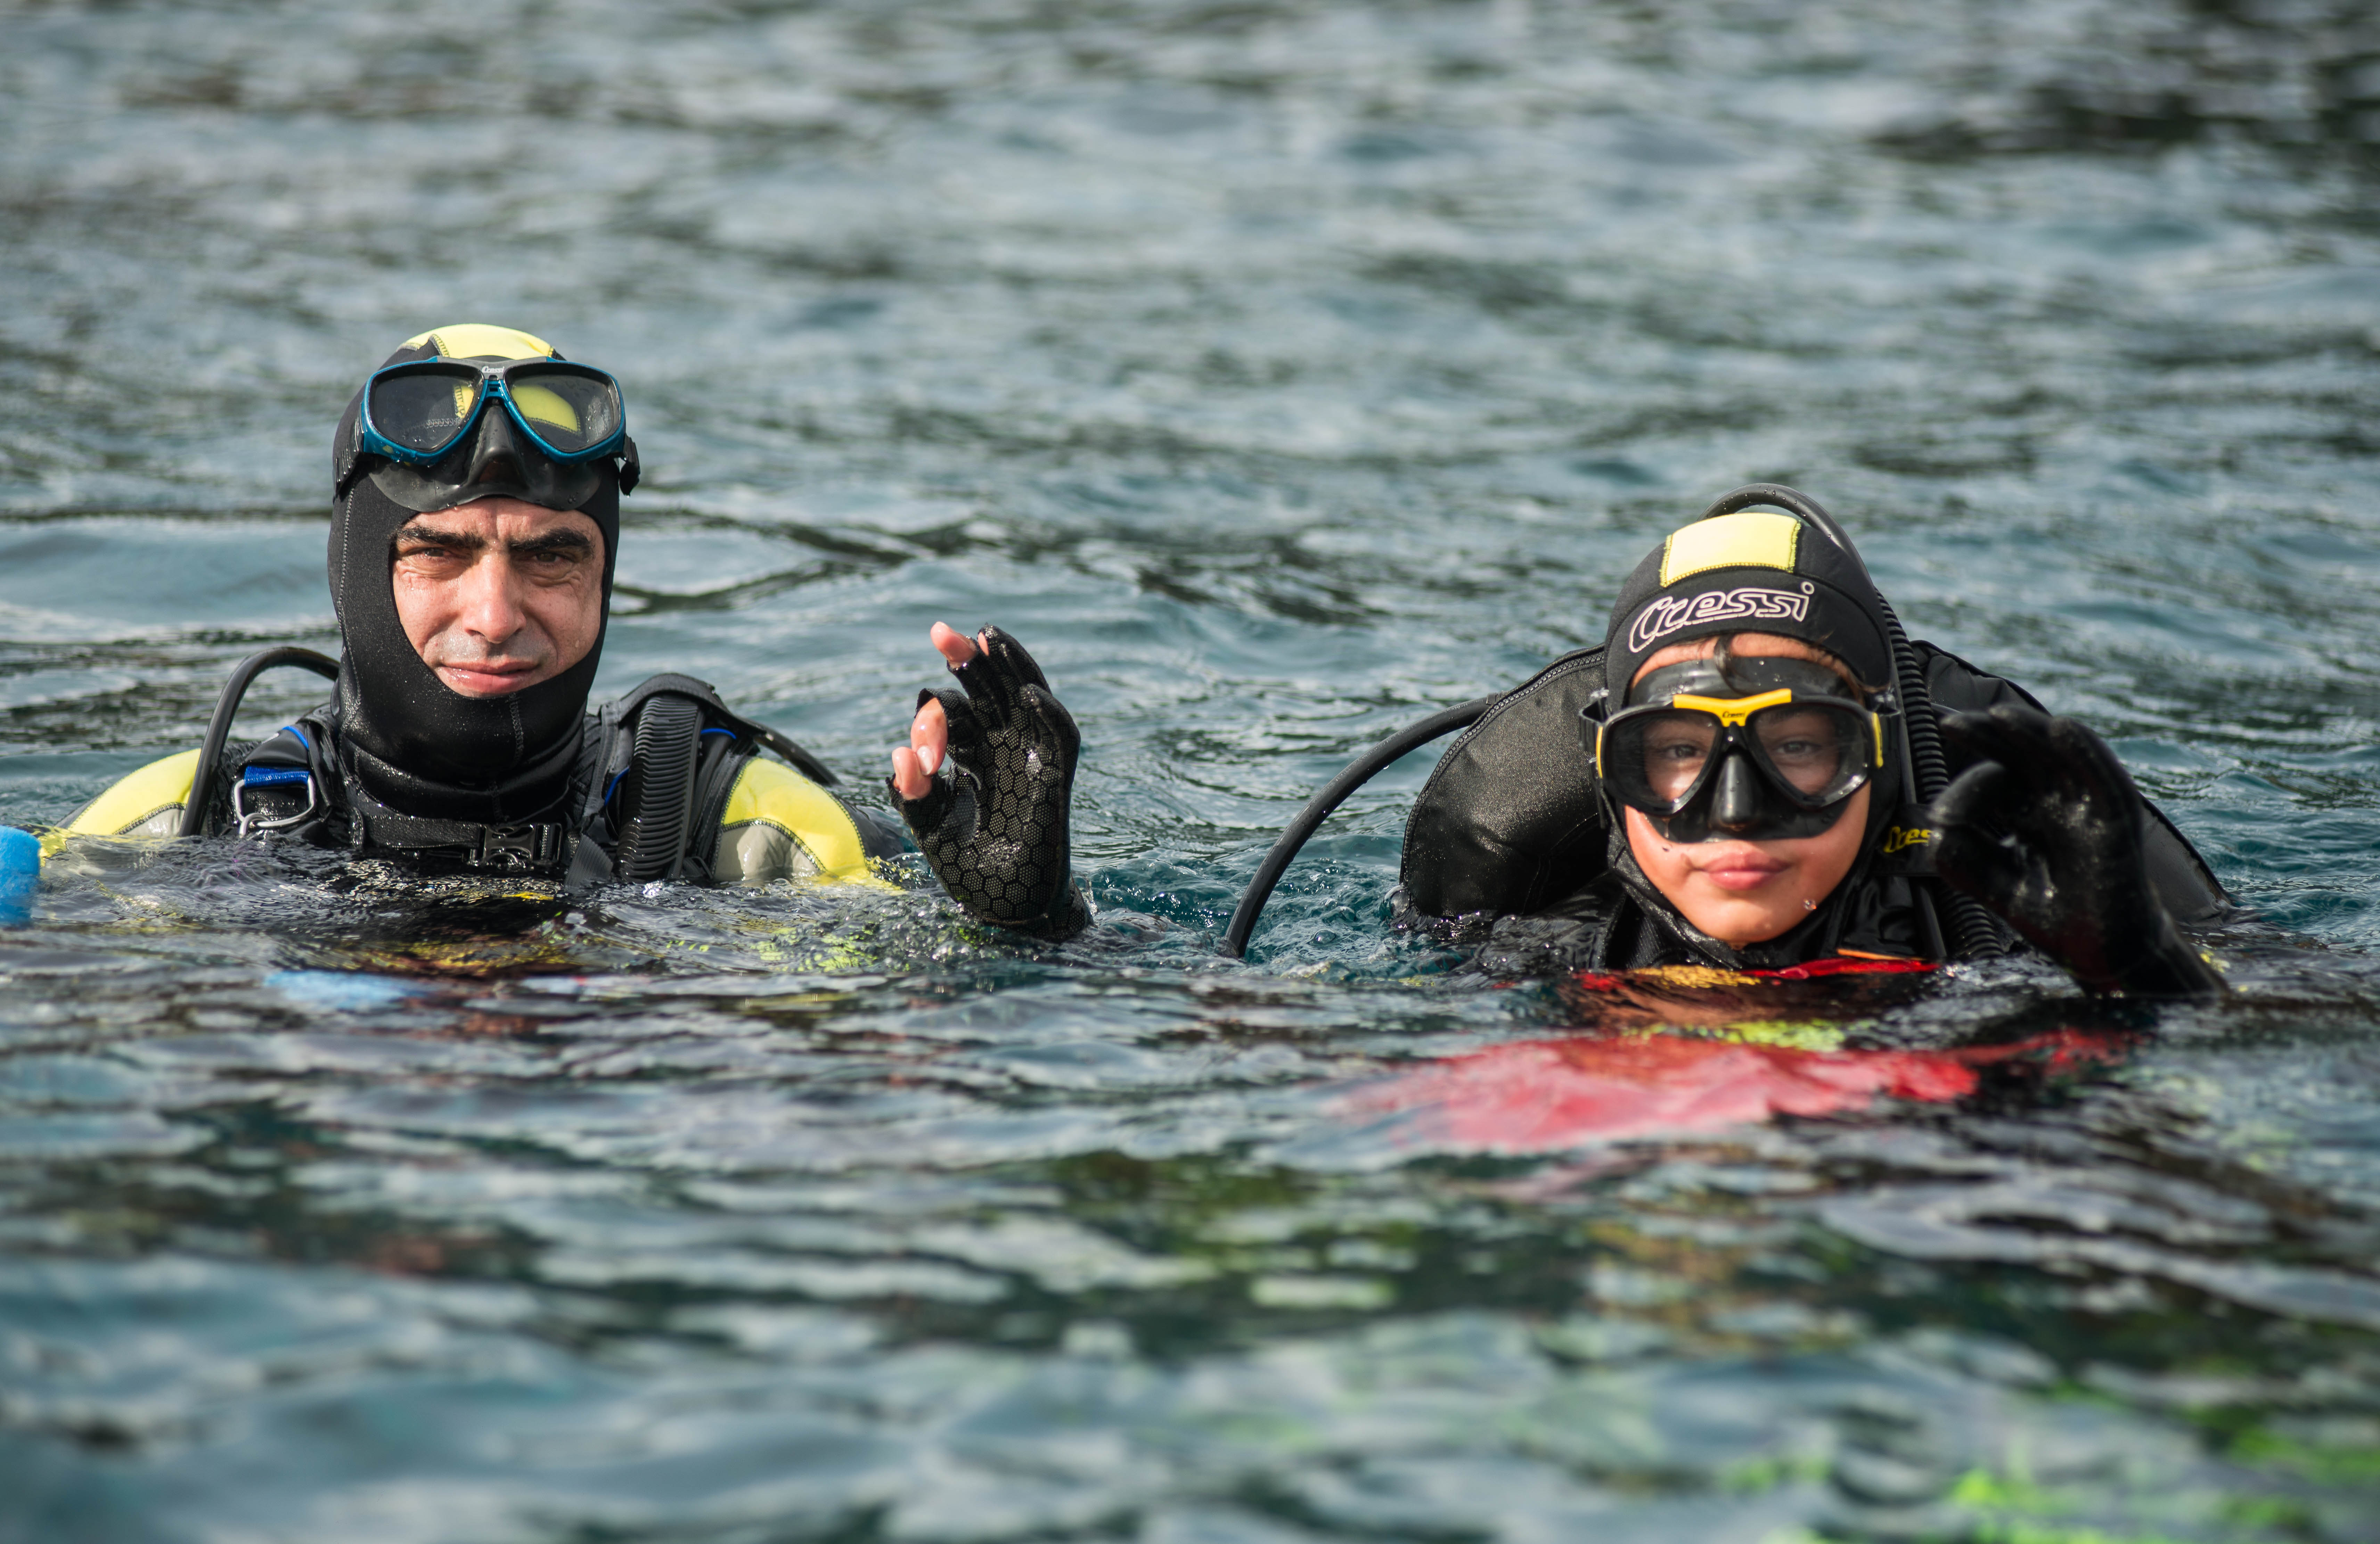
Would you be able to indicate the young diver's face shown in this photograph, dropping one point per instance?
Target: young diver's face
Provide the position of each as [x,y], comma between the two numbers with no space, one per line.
[1739,892]
[499,594]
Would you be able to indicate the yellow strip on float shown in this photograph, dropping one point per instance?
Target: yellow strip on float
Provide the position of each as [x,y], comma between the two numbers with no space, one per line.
[134,798]
[775,794]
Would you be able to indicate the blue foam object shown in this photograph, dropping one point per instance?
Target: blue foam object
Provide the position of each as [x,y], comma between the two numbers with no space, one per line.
[20,874]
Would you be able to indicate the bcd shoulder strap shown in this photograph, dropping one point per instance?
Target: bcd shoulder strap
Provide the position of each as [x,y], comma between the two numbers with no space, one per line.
[289,782]
[724,717]
[673,753]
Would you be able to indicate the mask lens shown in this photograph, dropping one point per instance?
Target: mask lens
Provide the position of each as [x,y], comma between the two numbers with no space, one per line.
[423,410]
[1812,747]
[1667,752]
[571,412]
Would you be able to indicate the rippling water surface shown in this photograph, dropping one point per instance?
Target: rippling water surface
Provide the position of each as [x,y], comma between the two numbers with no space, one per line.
[1280,372]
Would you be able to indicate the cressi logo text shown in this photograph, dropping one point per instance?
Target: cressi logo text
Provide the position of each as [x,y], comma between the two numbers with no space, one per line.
[1665,615]
[1899,837]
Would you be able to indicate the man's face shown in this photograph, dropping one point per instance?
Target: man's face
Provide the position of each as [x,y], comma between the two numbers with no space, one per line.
[499,594]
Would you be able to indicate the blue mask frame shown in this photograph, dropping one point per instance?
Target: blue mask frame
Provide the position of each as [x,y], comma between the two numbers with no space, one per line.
[494,383]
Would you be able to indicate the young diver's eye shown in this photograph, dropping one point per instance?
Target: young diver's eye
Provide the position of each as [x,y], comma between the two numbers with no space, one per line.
[1807,748]
[1674,752]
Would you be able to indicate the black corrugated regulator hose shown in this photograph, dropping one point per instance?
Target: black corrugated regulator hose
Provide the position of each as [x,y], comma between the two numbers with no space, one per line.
[1974,930]
[1362,770]
[657,798]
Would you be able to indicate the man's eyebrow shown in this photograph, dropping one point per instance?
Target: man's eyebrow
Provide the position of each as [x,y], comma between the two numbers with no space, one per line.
[429,536]
[563,540]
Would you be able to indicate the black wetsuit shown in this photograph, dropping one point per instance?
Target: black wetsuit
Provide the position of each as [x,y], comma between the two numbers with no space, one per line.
[667,782]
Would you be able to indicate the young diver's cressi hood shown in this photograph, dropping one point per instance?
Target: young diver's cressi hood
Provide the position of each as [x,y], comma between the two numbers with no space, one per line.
[1757,571]
[1750,572]
[416,744]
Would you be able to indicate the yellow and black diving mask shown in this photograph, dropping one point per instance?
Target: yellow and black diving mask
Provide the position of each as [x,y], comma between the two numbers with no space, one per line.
[450,431]
[1768,750]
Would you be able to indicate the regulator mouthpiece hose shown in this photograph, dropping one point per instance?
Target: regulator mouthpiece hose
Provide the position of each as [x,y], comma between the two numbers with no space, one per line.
[20,875]
[1329,796]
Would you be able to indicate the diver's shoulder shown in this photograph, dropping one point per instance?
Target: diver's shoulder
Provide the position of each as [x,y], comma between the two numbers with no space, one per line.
[1958,686]
[779,823]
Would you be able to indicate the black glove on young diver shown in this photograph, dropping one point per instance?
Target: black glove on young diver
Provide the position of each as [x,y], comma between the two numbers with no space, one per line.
[2070,876]
[994,825]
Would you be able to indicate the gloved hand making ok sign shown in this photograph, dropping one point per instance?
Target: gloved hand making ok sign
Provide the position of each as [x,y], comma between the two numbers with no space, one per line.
[994,825]
[2070,874]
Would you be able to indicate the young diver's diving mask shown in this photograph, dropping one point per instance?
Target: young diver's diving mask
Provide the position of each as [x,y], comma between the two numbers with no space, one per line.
[419,417]
[1767,751]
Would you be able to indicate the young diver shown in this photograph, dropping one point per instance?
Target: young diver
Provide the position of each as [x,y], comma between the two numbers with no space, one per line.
[475,528]
[1740,797]
[1743,798]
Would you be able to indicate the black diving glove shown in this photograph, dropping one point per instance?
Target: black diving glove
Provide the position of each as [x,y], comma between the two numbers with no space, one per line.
[2072,875]
[994,825]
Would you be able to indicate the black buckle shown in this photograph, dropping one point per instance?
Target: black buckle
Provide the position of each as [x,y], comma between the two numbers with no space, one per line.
[517,848]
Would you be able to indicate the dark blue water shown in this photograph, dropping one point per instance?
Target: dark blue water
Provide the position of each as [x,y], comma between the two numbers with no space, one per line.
[1280,373]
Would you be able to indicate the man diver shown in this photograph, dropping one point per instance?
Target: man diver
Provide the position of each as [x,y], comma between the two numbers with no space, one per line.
[477,478]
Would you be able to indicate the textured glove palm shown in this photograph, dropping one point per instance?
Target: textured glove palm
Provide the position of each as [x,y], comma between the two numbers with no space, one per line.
[2071,874]
[995,825]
